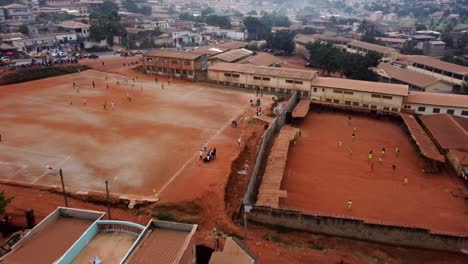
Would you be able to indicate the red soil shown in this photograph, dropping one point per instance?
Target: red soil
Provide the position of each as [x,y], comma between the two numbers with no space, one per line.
[321,177]
[297,62]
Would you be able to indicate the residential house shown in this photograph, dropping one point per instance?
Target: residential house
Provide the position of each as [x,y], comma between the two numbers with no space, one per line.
[434,48]
[18,13]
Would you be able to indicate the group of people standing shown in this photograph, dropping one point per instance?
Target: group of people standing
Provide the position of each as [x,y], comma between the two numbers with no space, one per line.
[211,154]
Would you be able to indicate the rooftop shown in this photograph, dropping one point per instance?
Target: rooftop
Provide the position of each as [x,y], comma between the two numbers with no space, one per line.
[407,76]
[364,86]
[440,99]
[451,132]
[173,54]
[371,47]
[162,242]
[73,25]
[262,59]
[435,63]
[260,70]
[233,55]
[52,237]
[393,40]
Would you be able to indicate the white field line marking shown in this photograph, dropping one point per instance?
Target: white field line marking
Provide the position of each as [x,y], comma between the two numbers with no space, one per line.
[32,152]
[191,93]
[20,167]
[191,159]
[47,172]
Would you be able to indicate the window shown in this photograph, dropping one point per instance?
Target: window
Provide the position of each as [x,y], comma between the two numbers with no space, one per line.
[175,62]
[289,81]
[387,97]
[346,92]
[436,110]
[464,113]
[421,109]
[298,82]
[450,111]
[315,90]
[336,101]
[376,96]
[328,100]
[407,106]
[266,79]
[236,75]
[394,109]
[227,74]
[347,102]
[337,91]
[386,108]
[187,63]
[355,103]
[373,107]
[365,105]
[257,78]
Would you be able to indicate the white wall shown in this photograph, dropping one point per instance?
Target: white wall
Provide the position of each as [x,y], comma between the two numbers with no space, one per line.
[323,93]
[429,109]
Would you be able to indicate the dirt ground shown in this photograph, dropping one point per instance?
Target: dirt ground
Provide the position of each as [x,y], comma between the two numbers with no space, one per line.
[321,176]
[198,192]
[138,147]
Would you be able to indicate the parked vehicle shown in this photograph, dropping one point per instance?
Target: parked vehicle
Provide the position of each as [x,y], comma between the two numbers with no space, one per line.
[93,56]
[121,50]
[40,55]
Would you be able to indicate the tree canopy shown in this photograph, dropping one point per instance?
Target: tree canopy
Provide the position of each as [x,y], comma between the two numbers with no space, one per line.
[4,202]
[260,28]
[282,40]
[332,59]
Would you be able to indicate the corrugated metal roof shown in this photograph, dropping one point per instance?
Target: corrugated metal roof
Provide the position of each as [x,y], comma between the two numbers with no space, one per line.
[449,131]
[425,144]
[364,86]
[440,99]
[266,71]
[370,46]
[159,246]
[408,76]
[233,55]
[435,63]
[262,59]
[173,54]
[49,244]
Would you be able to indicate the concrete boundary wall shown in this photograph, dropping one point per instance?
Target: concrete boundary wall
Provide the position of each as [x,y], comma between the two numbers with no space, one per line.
[359,229]
[266,141]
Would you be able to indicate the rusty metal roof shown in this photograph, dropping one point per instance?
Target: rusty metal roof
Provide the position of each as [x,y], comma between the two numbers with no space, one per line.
[261,70]
[423,141]
[451,132]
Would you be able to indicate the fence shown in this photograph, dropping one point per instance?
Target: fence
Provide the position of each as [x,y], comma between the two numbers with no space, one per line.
[359,229]
[266,141]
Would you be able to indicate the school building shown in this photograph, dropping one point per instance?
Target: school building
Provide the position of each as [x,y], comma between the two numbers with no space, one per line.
[266,79]
[377,96]
[448,72]
[436,103]
[362,48]
[417,81]
[179,64]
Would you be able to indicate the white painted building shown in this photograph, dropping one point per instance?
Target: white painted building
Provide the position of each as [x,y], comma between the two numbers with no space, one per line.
[376,96]
[436,103]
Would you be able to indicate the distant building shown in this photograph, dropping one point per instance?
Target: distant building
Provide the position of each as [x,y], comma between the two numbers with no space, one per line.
[448,72]
[389,54]
[415,80]
[262,59]
[377,15]
[390,17]
[17,13]
[393,42]
[434,48]
[231,56]
[187,65]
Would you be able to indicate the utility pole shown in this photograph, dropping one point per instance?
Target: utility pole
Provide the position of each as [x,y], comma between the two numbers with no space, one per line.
[63,188]
[108,202]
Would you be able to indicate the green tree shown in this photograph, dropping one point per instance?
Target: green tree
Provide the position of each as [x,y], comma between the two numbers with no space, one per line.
[252,13]
[4,202]
[282,40]
[23,29]
[107,7]
[207,11]
[463,88]
[219,21]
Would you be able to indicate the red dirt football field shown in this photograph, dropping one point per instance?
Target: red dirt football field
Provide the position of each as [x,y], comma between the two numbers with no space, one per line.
[321,177]
[138,147]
